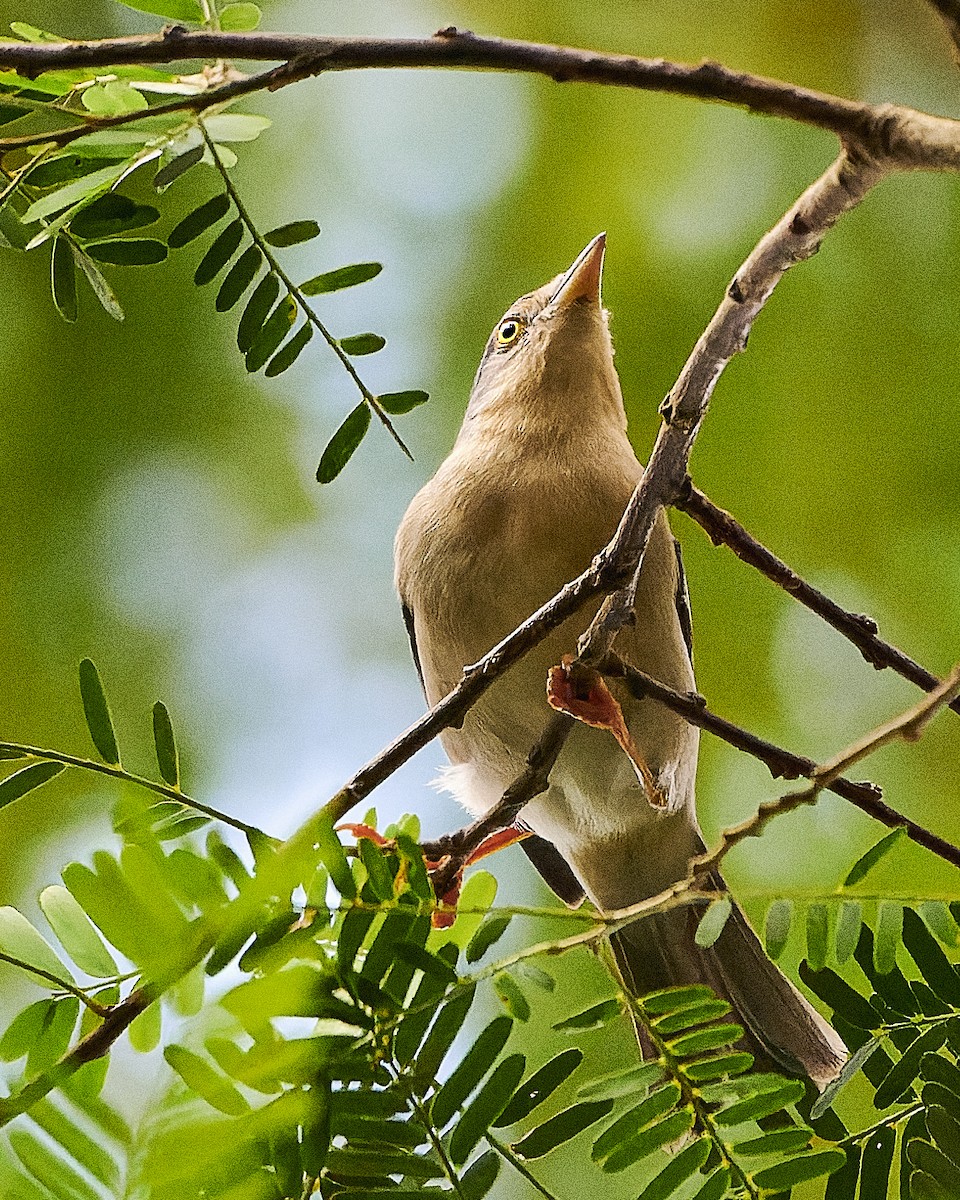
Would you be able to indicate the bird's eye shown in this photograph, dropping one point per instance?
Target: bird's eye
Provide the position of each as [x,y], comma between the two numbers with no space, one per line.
[508,331]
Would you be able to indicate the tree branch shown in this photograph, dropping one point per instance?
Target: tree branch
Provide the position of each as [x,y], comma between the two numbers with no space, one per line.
[724,529]
[913,139]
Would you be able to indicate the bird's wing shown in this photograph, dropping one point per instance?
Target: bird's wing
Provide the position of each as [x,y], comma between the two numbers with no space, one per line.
[682,600]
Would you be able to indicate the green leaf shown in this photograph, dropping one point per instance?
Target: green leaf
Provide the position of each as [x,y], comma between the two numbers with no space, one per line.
[945,1131]
[239,18]
[818,935]
[101,289]
[762,1105]
[849,920]
[689,1018]
[398,403]
[63,279]
[73,192]
[670,1129]
[842,1184]
[75,932]
[712,922]
[594,1017]
[876,1162]
[478,894]
[561,1128]
[166,746]
[344,442]
[539,1087]
[445,1028]
[719,1066]
[678,1170]
[630,1082]
[236,127]
[889,930]
[289,352]
[470,1070]
[274,330]
[293,233]
[26,1029]
[115,98]
[423,960]
[330,851]
[128,252]
[97,712]
[541,979]
[79,1146]
[198,221]
[362,343]
[219,253]
[201,1078]
[239,278]
[178,166]
[673,999]
[19,939]
[176,10]
[940,922]
[936,1164]
[479,1178]
[146,1029]
[701,1040]
[486,1107]
[342,277]
[112,214]
[932,963]
[511,996]
[781,1141]
[26,779]
[255,314]
[841,997]
[851,1067]
[56,1176]
[905,1071]
[626,1127]
[8,754]
[777,927]
[867,861]
[785,1175]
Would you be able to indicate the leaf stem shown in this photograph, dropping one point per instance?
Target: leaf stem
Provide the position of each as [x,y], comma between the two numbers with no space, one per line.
[517,1163]
[64,985]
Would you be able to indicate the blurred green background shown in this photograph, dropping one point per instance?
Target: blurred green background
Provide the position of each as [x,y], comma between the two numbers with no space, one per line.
[158,509]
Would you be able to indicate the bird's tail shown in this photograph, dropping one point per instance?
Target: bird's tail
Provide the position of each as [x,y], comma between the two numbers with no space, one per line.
[782,1030]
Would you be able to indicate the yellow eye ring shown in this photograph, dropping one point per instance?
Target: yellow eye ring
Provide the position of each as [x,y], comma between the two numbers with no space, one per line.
[508,331]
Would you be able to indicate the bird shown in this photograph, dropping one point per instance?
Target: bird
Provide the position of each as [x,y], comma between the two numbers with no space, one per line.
[534,487]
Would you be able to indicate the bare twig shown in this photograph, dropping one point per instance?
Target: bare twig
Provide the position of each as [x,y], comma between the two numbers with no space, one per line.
[914,139]
[908,726]
[724,529]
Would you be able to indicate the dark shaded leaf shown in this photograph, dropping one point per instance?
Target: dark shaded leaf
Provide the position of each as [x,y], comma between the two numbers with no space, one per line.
[925,1187]
[931,961]
[777,927]
[712,922]
[473,1066]
[112,214]
[876,1162]
[293,233]
[478,1179]
[445,1028]
[342,277]
[7,754]
[841,997]
[219,253]
[851,1067]
[288,353]
[256,312]
[398,403]
[541,1084]
[562,1128]
[344,442]
[903,1073]
[271,334]
[238,278]
[167,758]
[591,1018]
[486,1106]
[362,343]
[196,222]
[97,712]
[128,252]
[63,279]
[716,1186]
[490,932]
[424,961]
[945,1131]
[782,1176]
[330,850]
[867,861]
[511,996]
[681,1167]
[842,1184]
[178,166]
[26,779]
[364,1164]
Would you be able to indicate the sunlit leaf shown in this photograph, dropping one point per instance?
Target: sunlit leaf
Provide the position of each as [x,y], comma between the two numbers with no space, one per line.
[477,896]
[818,935]
[101,289]
[849,920]
[344,442]
[712,922]
[631,1081]
[146,1029]
[25,1029]
[674,999]
[236,127]
[511,996]
[293,233]
[57,1177]
[73,192]
[175,10]
[19,939]
[888,936]
[941,923]
[113,98]
[75,932]
[679,1169]
[201,1078]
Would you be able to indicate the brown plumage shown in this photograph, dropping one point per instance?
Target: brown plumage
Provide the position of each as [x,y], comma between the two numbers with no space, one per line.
[535,485]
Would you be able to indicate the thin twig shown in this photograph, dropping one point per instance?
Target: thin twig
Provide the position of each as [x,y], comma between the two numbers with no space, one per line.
[781,763]
[861,630]
[915,139]
[62,985]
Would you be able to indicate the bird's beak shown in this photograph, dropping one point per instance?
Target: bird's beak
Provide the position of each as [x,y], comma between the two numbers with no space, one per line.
[582,281]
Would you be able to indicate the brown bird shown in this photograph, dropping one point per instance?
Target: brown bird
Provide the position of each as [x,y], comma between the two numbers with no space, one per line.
[534,487]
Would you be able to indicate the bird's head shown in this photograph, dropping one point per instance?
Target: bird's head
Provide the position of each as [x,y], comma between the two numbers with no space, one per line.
[549,361]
